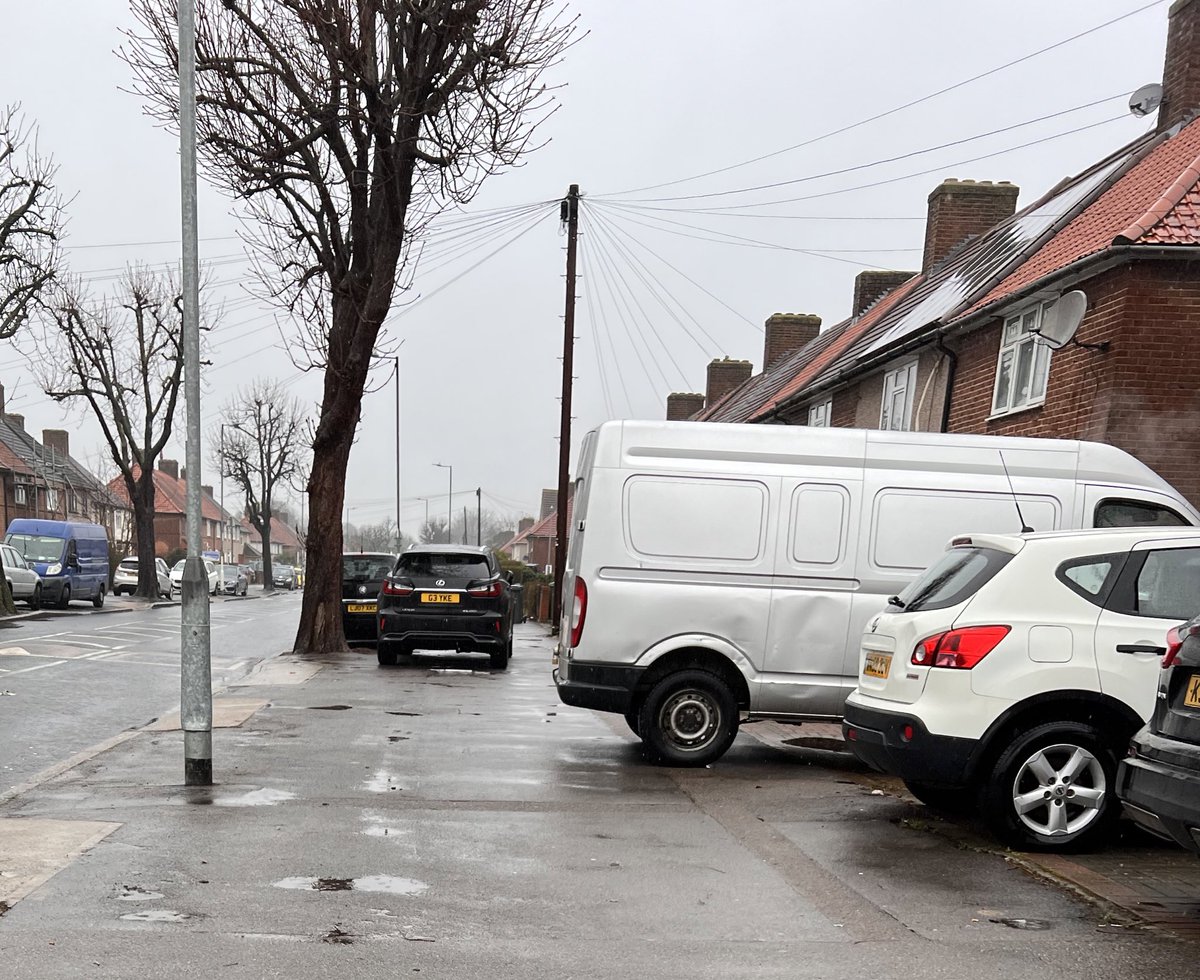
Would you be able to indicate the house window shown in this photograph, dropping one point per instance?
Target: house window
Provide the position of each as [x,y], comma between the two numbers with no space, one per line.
[1024,363]
[898,388]
[51,498]
[20,494]
[820,413]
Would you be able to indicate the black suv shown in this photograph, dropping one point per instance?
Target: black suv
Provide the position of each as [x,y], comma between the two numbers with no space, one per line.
[446,597]
[362,578]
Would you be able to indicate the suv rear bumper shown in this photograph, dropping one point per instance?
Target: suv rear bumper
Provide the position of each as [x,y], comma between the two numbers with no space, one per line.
[485,631]
[878,738]
[1161,797]
[602,687]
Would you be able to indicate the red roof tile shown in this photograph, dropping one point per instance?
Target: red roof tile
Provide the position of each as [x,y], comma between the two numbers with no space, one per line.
[170,496]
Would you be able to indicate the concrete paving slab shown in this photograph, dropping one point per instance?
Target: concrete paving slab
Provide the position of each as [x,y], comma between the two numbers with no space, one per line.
[227,713]
[32,851]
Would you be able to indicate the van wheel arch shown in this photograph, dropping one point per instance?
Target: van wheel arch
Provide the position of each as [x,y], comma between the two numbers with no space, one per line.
[1103,712]
[694,658]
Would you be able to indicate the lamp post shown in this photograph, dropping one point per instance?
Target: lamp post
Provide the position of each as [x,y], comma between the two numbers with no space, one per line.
[224,516]
[396,358]
[449,499]
[425,526]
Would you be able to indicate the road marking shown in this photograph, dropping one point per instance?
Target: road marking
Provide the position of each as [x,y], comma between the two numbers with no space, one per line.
[14,652]
[26,670]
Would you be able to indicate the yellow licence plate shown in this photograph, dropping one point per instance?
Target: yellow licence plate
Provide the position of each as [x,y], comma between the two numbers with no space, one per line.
[361,607]
[447,597]
[877,664]
[1191,696]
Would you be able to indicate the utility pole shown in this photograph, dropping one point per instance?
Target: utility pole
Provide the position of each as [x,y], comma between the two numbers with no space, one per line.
[569,215]
[396,358]
[478,516]
[465,525]
[195,674]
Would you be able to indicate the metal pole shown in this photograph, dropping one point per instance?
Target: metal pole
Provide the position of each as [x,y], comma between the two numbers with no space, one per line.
[223,515]
[196,664]
[449,500]
[398,542]
[478,516]
[570,214]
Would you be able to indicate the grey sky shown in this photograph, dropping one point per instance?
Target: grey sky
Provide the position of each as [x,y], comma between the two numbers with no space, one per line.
[656,91]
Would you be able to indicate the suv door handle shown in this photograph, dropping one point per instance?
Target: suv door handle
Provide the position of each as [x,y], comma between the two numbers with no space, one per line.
[1140,648]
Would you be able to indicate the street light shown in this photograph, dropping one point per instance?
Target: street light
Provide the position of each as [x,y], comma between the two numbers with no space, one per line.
[396,358]
[224,516]
[449,499]
[425,527]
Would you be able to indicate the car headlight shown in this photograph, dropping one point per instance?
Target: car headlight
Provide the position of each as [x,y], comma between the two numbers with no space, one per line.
[55,569]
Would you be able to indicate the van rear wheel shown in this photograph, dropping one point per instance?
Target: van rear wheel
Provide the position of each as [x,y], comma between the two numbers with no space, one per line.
[689,718]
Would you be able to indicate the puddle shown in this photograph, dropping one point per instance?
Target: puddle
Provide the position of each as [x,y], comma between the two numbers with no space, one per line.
[1036,925]
[404,714]
[381,782]
[329,707]
[136,893]
[255,797]
[388,884]
[156,915]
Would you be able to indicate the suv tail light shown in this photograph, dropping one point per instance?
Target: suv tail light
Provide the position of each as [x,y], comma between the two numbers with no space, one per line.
[395,588]
[578,611]
[959,649]
[488,590]
[1176,636]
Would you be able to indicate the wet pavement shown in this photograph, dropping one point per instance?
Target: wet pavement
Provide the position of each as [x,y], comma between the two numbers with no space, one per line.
[445,820]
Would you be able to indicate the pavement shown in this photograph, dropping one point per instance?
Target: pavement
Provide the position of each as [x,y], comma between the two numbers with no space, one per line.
[446,820]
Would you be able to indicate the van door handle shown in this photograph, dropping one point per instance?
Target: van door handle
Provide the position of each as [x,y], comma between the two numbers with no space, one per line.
[1140,648]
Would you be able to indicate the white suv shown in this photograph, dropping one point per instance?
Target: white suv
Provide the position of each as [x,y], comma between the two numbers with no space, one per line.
[1013,672]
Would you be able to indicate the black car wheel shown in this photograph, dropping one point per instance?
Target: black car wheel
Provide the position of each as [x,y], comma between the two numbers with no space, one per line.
[956,800]
[64,597]
[387,653]
[35,601]
[688,719]
[499,658]
[1054,789]
[98,598]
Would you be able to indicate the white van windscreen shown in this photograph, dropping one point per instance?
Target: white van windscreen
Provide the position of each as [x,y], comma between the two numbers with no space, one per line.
[677,517]
[911,527]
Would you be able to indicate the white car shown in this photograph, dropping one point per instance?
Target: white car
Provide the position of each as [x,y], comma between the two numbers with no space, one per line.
[1012,674]
[24,584]
[125,579]
[177,576]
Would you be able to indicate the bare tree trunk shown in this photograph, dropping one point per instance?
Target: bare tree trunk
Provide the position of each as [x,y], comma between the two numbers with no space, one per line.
[264,535]
[7,606]
[143,493]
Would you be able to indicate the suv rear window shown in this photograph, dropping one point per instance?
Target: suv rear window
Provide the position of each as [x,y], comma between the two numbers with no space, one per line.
[366,568]
[128,563]
[449,565]
[954,578]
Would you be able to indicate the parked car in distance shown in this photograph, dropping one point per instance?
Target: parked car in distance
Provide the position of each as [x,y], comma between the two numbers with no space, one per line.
[177,576]
[24,584]
[362,578]
[1013,672]
[284,576]
[446,597]
[731,569]
[125,579]
[232,580]
[1159,779]
[70,556]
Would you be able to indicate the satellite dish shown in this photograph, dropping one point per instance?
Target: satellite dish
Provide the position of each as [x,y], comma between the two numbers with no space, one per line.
[1060,322]
[1146,99]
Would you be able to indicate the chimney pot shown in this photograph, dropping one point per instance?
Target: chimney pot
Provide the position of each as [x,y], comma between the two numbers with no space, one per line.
[549,503]
[870,284]
[170,467]
[524,524]
[682,405]
[206,489]
[962,209]
[725,374]
[787,332]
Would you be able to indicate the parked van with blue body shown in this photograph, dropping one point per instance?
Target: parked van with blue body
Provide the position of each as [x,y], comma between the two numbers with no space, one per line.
[71,558]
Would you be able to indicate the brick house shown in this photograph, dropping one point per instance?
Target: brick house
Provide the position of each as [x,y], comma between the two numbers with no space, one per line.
[956,346]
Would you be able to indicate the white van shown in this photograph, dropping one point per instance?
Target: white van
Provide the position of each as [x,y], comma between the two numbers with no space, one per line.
[724,573]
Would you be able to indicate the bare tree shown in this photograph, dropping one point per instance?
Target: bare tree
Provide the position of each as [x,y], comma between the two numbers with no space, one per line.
[122,357]
[344,127]
[262,450]
[32,217]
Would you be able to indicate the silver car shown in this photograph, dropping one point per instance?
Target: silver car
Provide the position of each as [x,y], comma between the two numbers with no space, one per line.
[125,579]
[23,582]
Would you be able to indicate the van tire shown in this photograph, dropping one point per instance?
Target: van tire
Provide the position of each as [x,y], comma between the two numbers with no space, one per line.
[98,598]
[633,721]
[1012,775]
[689,718]
[64,596]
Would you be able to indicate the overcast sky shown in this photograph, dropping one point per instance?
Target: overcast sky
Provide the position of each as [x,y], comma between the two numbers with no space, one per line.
[654,93]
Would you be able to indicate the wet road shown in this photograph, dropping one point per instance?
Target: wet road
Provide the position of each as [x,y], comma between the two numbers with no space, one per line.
[445,820]
[72,678]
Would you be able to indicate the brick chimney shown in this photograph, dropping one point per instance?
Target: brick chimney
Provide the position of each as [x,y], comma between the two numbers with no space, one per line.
[206,490]
[786,332]
[16,421]
[524,524]
[1181,68]
[870,284]
[57,439]
[723,376]
[549,503]
[682,405]
[962,209]
[170,467]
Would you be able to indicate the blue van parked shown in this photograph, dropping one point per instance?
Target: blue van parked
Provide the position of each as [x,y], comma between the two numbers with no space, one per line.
[71,558]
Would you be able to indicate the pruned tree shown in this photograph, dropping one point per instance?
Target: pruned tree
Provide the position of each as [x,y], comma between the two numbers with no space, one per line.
[344,127]
[32,217]
[261,450]
[122,357]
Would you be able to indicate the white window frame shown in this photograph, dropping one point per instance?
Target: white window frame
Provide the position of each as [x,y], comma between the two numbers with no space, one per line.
[820,414]
[21,494]
[51,498]
[1021,351]
[899,386]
